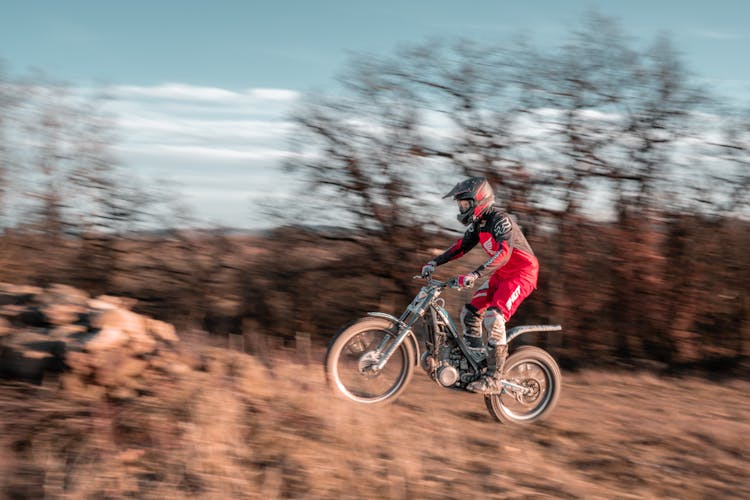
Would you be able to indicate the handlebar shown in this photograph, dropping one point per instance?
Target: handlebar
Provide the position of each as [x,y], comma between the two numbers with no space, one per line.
[451,283]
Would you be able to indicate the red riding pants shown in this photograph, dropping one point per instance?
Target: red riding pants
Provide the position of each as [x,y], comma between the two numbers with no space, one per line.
[504,293]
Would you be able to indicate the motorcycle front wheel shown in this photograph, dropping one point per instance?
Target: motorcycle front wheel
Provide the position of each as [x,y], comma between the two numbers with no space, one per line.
[351,358]
[534,370]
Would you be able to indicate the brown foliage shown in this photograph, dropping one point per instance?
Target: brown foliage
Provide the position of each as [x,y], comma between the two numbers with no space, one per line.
[670,289]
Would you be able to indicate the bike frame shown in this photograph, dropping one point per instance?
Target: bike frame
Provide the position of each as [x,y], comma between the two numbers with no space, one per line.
[413,313]
[427,300]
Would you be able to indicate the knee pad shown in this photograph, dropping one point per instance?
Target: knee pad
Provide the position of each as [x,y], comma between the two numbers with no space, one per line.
[494,325]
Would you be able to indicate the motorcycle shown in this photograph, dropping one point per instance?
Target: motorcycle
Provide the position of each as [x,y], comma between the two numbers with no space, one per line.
[372,360]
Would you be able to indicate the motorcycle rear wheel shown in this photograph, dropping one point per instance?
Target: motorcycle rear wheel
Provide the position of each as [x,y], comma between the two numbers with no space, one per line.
[537,371]
[351,357]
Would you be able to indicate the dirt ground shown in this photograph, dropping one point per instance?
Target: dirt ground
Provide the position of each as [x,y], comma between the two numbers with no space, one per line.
[241,428]
[613,435]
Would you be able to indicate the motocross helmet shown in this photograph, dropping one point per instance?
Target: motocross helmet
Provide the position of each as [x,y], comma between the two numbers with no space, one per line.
[474,196]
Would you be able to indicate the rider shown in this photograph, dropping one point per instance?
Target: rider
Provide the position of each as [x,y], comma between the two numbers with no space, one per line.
[512,269]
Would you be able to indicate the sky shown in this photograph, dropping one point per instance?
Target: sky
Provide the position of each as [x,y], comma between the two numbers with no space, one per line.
[203,90]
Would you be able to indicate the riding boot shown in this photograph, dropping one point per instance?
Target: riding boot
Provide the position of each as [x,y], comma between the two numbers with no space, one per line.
[471,321]
[490,382]
[501,354]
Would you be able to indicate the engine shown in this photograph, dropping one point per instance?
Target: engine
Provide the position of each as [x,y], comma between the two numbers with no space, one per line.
[446,375]
[449,367]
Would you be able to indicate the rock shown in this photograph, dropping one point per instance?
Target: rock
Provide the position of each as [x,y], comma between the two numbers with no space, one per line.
[7,299]
[27,354]
[115,374]
[122,393]
[23,364]
[59,294]
[32,316]
[162,330]
[102,348]
[118,302]
[141,343]
[75,386]
[11,310]
[17,295]
[32,354]
[70,382]
[79,362]
[62,314]
[190,358]
[127,321]
[65,331]
[100,305]
[5,327]
[24,290]
[33,338]
[170,366]
[131,367]
[177,368]
[107,338]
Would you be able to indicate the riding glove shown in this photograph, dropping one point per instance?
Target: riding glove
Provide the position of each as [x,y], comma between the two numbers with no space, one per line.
[467,280]
[428,268]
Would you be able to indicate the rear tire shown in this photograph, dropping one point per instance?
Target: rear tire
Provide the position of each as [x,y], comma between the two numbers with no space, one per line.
[533,368]
[351,354]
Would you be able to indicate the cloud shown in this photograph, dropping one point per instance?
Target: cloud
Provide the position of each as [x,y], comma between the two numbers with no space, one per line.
[218,154]
[274,94]
[719,35]
[205,141]
[221,129]
[179,91]
[175,91]
[207,121]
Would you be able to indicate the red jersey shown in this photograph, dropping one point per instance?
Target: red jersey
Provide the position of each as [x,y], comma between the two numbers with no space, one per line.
[510,254]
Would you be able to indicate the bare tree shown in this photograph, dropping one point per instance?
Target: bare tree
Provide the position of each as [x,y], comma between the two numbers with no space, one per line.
[593,130]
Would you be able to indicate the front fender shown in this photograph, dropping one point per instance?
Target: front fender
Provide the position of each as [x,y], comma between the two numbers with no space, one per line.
[409,338]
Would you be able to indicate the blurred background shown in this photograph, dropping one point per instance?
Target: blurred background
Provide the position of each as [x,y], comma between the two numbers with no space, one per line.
[218,180]
[266,174]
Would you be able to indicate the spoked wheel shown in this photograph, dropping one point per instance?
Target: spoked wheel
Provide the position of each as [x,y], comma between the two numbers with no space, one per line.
[533,385]
[352,357]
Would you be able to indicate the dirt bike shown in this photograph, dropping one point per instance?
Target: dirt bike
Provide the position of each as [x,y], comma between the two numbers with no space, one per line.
[372,360]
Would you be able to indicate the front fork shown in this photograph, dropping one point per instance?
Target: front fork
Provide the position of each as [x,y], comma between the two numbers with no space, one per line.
[404,330]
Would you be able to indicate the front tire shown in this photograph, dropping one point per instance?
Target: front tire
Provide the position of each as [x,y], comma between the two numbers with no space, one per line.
[538,372]
[352,354]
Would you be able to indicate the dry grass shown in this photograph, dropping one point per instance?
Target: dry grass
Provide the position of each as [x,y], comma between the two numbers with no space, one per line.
[241,430]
